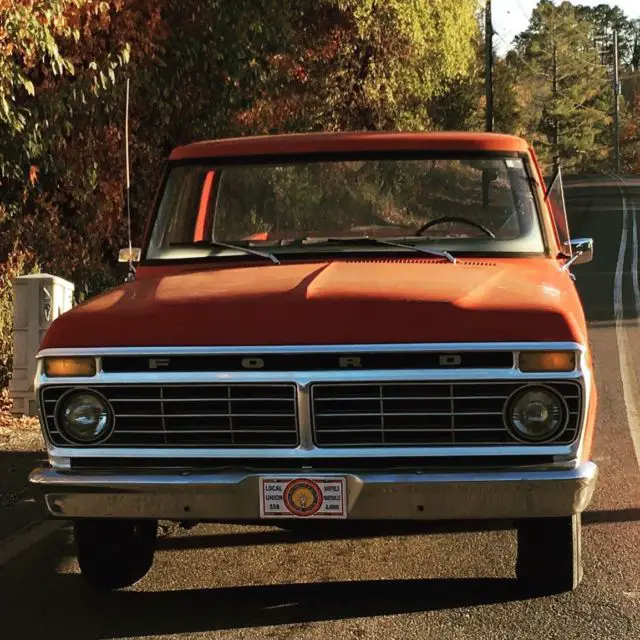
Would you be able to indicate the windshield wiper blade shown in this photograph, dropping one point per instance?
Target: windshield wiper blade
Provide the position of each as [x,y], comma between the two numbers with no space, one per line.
[388,243]
[225,245]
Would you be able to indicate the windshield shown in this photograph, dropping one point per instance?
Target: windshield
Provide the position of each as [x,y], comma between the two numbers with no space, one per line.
[464,205]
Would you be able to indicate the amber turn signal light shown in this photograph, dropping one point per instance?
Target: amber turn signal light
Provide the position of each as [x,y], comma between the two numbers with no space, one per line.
[531,361]
[69,367]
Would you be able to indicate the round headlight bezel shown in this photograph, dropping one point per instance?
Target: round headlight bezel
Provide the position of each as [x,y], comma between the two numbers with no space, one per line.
[515,433]
[68,436]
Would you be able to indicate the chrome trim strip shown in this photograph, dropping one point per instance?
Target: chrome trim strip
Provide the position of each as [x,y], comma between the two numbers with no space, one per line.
[305,378]
[330,348]
[587,384]
[303,405]
[564,452]
[60,463]
[192,479]
[163,421]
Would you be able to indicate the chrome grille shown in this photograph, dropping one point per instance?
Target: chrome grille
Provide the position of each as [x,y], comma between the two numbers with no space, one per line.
[213,415]
[441,414]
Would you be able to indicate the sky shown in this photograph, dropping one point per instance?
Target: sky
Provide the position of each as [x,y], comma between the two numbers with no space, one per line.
[510,17]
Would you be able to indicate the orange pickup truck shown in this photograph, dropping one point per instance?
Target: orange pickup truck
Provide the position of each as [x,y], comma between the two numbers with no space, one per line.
[333,326]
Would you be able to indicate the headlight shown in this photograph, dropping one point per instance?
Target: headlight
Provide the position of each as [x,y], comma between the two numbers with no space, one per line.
[84,417]
[535,414]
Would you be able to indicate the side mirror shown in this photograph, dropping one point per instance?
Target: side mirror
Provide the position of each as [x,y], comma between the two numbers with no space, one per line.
[581,251]
[124,255]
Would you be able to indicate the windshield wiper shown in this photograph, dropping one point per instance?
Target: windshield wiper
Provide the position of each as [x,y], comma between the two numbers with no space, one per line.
[368,240]
[224,245]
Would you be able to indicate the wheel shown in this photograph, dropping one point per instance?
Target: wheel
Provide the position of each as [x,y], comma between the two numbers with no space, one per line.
[549,554]
[113,554]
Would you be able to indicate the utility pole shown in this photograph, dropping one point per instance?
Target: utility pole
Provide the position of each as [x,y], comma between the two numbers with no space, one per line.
[556,124]
[488,46]
[616,105]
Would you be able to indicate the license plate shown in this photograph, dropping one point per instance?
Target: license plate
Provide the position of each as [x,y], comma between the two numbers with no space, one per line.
[303,497]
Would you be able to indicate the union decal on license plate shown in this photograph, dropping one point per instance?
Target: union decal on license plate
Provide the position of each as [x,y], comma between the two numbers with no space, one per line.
[303,498]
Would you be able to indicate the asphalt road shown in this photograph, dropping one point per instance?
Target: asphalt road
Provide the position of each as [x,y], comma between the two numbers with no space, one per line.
[235,582]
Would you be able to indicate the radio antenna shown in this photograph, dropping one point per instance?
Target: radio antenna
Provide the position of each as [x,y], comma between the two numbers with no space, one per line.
[132,269]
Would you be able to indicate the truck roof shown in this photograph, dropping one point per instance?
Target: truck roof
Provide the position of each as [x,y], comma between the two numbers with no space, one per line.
[330,142]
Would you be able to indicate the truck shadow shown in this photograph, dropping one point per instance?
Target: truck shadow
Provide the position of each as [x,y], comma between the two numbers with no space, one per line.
[18,508]
[263,605]
[142,614]
[47,598]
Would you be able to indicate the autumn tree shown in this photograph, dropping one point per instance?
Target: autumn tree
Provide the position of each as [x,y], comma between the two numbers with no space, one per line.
[365,64]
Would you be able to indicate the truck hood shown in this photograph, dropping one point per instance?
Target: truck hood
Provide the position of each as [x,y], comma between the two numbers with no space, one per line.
[351,301]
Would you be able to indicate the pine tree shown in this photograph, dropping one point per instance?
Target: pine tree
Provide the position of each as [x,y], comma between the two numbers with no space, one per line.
[565,90]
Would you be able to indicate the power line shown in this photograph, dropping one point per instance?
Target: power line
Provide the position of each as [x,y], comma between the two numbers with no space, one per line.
[509,44]
[522,11]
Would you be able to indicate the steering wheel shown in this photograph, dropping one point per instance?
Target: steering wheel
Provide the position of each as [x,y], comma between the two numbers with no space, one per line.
[472,223]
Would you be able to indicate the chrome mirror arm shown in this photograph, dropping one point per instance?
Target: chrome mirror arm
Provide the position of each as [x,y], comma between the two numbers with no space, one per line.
[581,252]
[569,262]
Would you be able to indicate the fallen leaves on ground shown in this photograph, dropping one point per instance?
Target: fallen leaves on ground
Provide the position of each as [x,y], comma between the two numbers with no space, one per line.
[18,433]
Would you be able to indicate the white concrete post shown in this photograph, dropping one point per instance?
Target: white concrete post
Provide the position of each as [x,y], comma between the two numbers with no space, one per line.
[38,300]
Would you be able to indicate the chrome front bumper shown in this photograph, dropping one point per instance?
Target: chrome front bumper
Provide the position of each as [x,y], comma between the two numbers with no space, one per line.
[183,495]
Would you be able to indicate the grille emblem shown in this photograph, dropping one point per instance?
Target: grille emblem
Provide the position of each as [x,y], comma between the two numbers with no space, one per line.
[159,363]
[451,360]
[349,363]
[252,363]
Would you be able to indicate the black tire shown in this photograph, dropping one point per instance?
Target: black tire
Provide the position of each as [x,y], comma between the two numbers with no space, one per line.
[113,554]
[549,557]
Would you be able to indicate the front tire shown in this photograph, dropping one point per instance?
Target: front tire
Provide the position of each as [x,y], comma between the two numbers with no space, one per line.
[113,554]
[549,557]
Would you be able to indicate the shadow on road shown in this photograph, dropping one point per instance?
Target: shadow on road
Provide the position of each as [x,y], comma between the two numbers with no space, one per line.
[17,505]
[131,614]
